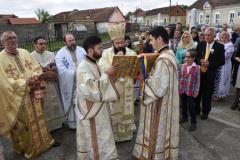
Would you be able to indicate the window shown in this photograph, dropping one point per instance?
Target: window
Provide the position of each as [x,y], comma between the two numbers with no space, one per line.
[217,18]
[207,18]
[80,28]
[148,23]
[231,17]
[201,19]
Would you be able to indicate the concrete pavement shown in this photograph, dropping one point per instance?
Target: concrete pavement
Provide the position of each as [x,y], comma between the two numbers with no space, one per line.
[217,138]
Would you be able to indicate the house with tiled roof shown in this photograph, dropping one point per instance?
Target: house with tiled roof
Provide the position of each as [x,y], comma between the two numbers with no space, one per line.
[12,19]
[215,12]
[15,21]
[4,18]
[137,16]
[91,20]
[26,28]
[158,16]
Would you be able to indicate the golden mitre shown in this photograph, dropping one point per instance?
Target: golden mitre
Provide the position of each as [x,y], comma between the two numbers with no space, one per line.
[116,30]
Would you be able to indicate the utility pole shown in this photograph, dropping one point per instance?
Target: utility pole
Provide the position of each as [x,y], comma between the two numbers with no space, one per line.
[169,18]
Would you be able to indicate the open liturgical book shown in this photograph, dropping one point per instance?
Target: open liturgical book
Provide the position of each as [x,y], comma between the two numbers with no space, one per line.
[132,65]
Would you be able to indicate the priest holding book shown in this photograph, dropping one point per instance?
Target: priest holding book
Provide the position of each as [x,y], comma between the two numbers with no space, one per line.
[122,111]
[158,130]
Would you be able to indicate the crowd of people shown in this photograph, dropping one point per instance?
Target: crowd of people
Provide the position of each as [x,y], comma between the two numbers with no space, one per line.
[78,87]
[217,55]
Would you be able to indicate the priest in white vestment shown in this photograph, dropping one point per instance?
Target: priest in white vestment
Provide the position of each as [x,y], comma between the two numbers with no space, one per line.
[122,111]
[95,89]
[53,109]
[158,131]
[67,60]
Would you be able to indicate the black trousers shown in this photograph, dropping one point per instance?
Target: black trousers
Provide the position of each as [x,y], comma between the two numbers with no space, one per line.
[188,105]
[205,94]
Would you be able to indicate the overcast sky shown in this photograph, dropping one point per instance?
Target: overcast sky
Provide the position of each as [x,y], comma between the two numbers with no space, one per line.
[26,8]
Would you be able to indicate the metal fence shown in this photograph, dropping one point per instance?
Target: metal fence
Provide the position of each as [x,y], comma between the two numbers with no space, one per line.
[25,40]
[53,44]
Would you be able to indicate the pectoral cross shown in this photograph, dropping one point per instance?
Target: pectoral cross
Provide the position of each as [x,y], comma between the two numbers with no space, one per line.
[28,65]
[10,70]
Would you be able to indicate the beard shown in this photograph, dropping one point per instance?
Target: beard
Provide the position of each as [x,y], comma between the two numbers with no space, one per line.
[116,50]
[97,56]
[72,47]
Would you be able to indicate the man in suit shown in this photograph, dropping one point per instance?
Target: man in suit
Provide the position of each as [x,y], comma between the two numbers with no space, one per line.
[210,57]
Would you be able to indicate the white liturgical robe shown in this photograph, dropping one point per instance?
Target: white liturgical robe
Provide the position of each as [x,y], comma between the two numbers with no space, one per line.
[95,139]
[122,111]
[158,130]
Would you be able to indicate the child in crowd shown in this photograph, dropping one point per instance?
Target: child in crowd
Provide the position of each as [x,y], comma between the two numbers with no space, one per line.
[189,80]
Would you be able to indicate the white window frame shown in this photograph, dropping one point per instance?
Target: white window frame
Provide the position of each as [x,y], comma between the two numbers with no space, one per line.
[189,19]
[207,19]
[230,13]
[217,21]
[200,20]
[148,22]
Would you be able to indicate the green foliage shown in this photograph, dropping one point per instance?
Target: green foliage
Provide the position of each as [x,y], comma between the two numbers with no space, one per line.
[43,15]
[127,16]
[184,7]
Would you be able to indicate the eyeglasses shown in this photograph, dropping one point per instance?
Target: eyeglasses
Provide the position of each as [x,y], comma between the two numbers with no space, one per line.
[11,38]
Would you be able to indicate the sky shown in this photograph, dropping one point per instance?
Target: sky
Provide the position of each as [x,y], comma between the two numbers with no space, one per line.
[26,8]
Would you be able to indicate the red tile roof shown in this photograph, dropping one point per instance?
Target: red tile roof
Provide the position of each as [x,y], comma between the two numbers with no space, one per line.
[138,12]
[23,21]
[214,3]
[4,18]
[96,15]
[175,11]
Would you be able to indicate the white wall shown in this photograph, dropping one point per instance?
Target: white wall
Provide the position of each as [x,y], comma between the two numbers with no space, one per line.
[156,19]
[137,19]
[102,27]
[224,13]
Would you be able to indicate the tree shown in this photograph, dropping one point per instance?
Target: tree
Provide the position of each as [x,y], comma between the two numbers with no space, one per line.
[184,7]
[127,16]
[43,15]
